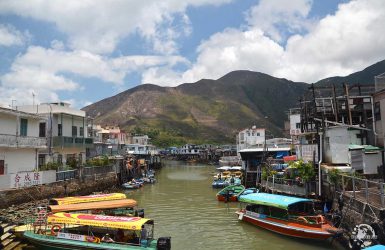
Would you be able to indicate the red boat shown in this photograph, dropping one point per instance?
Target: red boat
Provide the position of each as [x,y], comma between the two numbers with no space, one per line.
[285,215]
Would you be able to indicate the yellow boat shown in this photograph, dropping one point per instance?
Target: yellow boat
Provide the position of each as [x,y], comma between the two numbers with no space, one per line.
[87,198]
[125,207]
[92,231]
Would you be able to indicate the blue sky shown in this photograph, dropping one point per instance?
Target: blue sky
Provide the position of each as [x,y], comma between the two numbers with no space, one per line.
[84,51]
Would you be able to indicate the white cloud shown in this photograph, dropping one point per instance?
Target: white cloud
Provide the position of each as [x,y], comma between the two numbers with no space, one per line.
[9,36]
[339,44]
[47,71]
[278,17]
[98,25]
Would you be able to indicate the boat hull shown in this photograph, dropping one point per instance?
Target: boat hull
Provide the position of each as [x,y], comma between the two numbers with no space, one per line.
[47,242]
[289,229]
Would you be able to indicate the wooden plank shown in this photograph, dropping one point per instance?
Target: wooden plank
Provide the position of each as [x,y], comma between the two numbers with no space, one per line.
[12,245]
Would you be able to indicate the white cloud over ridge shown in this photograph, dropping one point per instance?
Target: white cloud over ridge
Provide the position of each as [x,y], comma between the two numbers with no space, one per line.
[339,44]
[278,38]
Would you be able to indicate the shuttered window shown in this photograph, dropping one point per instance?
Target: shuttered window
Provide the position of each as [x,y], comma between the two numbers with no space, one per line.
[23,127]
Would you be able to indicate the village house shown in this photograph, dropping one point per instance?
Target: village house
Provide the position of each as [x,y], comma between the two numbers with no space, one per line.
[66,130]
[22,139]
[250,137]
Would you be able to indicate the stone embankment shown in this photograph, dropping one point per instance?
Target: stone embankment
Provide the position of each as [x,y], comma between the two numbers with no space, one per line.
[16,205]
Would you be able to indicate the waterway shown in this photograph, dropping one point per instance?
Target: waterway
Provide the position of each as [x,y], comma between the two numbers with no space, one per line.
[184,206]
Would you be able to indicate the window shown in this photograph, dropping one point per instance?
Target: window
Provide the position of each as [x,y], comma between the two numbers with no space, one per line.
[298,125]
[258,134]
[42,129]
[59,130]
[2,167]
[377,111]
[41,160]
[81,131]
[74,131]
[23,127]
[60,160]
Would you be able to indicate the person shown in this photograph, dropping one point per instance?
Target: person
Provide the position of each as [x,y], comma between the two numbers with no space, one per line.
[107,238]
[143,233]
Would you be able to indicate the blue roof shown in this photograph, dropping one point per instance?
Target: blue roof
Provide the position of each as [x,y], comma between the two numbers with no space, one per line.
[273,200]
[376,247]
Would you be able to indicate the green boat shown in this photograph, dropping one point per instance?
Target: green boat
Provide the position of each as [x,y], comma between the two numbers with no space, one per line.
[96,232]
[230,193]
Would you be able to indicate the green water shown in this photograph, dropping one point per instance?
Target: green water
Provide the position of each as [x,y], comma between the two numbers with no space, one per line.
[184,206]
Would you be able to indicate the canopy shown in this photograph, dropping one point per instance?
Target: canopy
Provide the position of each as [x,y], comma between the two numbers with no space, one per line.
[88,198]
[273,200]
[118,222]
[236,168]
[224,168]
[124,203]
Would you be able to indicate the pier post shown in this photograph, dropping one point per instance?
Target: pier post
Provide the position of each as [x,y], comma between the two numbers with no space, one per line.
[382,194]
[354,187]
[366,190]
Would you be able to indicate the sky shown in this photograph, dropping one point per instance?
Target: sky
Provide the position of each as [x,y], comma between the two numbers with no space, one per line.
[84,51]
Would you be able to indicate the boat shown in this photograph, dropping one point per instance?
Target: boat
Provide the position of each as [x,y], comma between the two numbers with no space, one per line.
[285,215]
[87,198]
[230,193]
[219,183]
[132,185]
[96,232]
[124,207]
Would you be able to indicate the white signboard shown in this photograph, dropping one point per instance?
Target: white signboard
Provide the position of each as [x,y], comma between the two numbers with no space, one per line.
[26,179]
[69,236]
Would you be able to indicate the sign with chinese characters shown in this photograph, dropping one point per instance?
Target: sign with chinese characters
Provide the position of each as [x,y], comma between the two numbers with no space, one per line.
[26,179]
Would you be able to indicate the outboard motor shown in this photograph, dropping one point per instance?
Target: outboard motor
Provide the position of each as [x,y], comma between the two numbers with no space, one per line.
[163,243]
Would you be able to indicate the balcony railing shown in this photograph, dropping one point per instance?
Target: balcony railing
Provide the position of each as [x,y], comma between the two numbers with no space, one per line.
[22,141]
[66,141]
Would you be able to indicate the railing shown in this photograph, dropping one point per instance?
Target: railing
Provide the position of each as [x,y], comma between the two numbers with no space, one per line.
[85,172]
[369,191]
[94,170]
[67,141]
[289,186]
[22,141]
[67,175]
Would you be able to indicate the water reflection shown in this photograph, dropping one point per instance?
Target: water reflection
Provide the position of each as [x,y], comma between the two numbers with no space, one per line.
[184,206]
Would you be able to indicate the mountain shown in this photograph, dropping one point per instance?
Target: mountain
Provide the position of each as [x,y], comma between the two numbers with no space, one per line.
[364,77]
[210,111]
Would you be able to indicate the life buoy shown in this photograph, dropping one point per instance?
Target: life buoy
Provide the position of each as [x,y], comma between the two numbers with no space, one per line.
[302,219]
[93,239]
[53,232]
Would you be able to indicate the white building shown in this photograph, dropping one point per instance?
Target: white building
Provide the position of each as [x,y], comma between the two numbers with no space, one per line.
[250,137]
[22,136]
[66,132]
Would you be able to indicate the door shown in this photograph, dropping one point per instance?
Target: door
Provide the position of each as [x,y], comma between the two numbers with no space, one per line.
[2,167]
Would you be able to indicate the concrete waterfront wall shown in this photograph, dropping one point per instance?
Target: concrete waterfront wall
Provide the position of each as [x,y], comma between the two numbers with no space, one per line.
[355,213]
[59,189]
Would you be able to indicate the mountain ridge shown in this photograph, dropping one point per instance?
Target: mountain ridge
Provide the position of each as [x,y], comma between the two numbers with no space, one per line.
[210,111]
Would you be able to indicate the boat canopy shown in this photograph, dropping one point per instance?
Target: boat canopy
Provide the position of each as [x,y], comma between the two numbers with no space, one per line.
[272,200]
[224,168]
[117,222]
[88,198]
[124,203]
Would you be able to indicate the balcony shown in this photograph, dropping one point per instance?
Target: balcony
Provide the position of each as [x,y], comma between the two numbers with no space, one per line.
[14,141]
[72,142]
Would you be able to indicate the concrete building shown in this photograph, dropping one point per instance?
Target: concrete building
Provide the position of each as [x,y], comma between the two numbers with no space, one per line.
[66,130]
[250,137]
[22,137]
